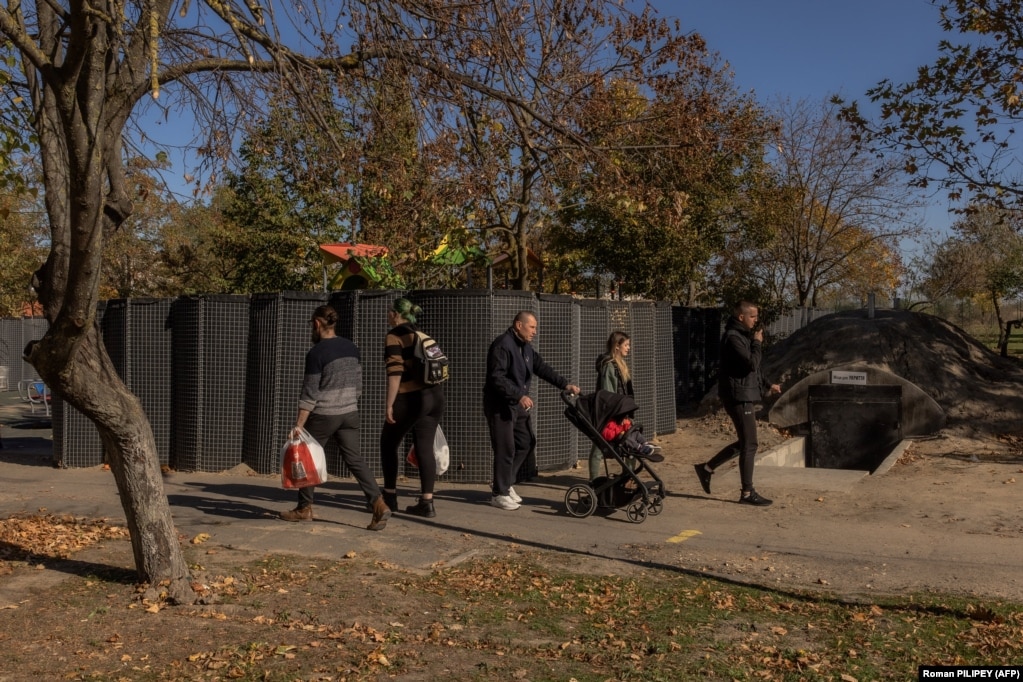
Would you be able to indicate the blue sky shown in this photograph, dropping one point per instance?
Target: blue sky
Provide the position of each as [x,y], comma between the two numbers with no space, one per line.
[810,49]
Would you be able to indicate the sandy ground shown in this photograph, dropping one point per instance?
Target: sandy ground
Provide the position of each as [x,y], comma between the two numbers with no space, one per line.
[946,517]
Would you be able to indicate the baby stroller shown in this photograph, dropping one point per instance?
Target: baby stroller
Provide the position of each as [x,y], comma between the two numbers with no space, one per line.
[624,490]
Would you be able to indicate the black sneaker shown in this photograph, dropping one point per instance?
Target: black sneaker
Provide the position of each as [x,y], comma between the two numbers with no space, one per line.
[754,498]
[704,476]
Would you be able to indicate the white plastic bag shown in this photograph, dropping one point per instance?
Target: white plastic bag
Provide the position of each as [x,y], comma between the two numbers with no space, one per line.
[441,451]
[303,462]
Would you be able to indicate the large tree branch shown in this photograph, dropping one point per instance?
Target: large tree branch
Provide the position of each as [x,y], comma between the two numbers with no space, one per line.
[19,37]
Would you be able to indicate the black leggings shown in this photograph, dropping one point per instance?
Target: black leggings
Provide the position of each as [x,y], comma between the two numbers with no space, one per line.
[420,412]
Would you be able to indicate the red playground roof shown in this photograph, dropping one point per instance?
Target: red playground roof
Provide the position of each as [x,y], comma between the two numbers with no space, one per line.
[342,252]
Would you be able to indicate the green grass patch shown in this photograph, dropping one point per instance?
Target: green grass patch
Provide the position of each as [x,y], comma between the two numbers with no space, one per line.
[990,339]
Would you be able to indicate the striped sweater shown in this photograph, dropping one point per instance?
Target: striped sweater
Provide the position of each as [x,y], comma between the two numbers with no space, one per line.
[333,377]
[399,357]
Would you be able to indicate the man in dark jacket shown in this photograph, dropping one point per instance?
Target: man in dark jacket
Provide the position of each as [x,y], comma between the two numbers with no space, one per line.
[511,364]
[740,387]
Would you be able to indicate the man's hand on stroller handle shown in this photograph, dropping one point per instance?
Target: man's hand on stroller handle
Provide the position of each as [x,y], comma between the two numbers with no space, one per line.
[573,389]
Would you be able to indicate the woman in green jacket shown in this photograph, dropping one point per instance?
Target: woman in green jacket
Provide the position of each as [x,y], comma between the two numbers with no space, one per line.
[612,375]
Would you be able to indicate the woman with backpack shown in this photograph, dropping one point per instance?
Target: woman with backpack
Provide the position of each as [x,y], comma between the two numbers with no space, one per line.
[411,405]
[612,375]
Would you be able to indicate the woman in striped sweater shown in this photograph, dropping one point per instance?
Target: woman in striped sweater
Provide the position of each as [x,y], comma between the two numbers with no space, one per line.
[410,405]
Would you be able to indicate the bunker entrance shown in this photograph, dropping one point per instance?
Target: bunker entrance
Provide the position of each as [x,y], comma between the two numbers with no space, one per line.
[851,426]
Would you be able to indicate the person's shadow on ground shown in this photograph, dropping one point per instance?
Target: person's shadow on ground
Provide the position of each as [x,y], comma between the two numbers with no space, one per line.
[26,450]
[254,501]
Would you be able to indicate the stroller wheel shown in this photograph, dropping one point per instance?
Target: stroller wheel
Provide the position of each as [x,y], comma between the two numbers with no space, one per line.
[580,500]
[656,505]
[636,511]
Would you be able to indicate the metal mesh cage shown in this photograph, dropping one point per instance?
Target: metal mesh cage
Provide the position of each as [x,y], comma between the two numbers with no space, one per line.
[664,421]
[148,362]
[114,330]
[15,333]
[557,342]
[209,351]
[680,335]
[136,334]
[279,337]
[10,353]
[362,317]
[712,321]
[593,332]
[697,355]
[219,376]
[595,325]
[76,442]
[464,322]
[643,363]
[137,337]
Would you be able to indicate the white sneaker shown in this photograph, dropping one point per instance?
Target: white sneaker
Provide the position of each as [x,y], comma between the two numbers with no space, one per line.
[504,502]
[514,495]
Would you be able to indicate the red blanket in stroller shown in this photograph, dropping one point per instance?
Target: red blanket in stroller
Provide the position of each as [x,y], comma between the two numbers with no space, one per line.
[611,414]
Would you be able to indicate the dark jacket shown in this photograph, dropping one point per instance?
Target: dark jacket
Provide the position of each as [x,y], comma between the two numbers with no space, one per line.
[603,406]
[511,364]
[740,380]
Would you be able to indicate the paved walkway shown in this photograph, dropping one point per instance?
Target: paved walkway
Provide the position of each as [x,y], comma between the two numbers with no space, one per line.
[794,544]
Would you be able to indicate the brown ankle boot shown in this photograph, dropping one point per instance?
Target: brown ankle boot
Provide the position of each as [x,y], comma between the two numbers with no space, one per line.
[298,514]
[381,512]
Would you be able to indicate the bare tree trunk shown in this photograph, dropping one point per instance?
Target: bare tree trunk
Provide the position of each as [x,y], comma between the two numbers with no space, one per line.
[1003,345]
[1003,330]
[692,294]
[521,278]
[86,200]
[83,375]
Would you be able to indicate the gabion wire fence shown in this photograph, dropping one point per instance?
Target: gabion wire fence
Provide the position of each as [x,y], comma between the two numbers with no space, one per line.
[219,376]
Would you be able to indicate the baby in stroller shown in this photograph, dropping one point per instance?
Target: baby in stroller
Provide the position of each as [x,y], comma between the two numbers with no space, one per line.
[629,435]
[607,419]
[612,415]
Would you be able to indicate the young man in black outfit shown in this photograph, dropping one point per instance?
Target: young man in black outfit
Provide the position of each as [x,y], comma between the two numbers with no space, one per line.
[740,387]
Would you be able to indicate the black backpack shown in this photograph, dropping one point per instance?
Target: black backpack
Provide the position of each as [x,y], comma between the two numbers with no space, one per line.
[431,359]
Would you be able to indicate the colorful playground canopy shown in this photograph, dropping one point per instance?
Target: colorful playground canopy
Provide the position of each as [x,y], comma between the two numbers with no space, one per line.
[340,253]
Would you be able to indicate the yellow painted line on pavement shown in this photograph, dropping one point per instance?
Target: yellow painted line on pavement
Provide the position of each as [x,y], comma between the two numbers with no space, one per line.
[684,535]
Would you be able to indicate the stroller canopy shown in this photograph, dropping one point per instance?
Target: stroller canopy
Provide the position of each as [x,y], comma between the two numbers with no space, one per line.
[602,406]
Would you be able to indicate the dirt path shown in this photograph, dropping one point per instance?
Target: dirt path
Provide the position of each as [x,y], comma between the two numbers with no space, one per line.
[947,518]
